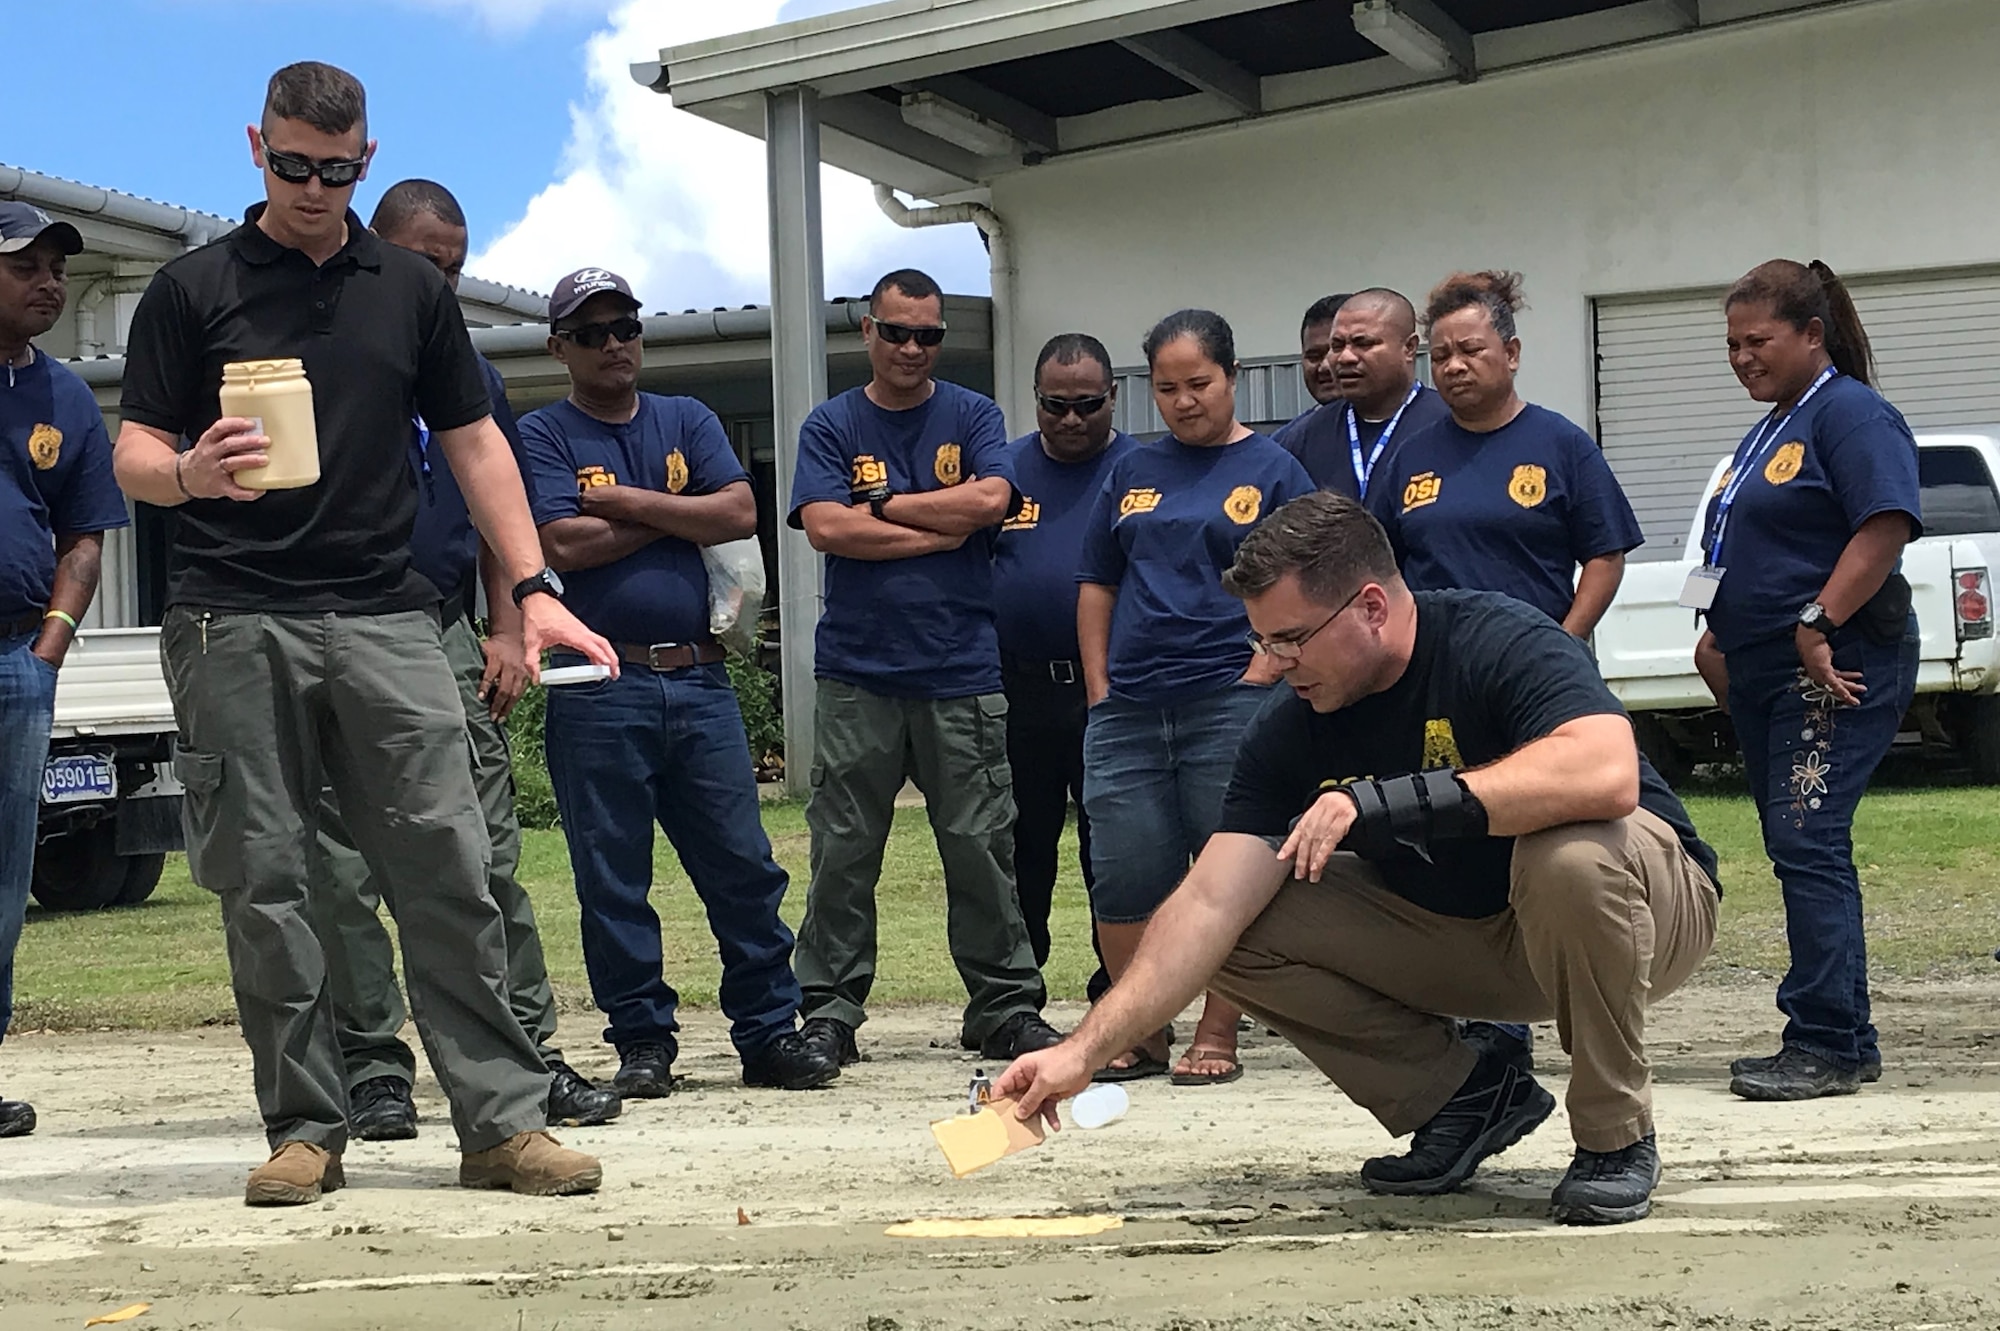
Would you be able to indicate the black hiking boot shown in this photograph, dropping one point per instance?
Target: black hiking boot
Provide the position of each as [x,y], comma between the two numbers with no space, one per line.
[1795,1075]
[645,1071]
[1496,1107]
[577,1102]
[1022,1033]
[17,1118]
[832,1039]
[1490,1038]
[790,1063]
[1870,1070]
[1608,1187]
[382,1110]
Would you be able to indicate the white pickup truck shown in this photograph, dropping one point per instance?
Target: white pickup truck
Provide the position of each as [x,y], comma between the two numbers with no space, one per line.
[111,808]
[1645,643]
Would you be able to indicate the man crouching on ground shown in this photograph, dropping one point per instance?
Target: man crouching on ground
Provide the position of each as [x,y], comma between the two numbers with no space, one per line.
[1448,814]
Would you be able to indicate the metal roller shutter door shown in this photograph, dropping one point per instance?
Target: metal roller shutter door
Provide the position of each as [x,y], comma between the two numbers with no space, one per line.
[1668,405]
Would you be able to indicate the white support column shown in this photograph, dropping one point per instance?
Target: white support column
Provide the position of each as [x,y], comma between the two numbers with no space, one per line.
[798,384]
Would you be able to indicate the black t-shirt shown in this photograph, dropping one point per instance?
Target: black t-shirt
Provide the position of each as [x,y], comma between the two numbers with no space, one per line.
[383,342]
[1488,676]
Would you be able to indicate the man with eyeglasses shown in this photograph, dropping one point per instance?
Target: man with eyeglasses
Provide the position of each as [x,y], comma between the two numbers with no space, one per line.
[1058,468]
[1450,814]
[628,487]
[902,484]
[302,647]
[368,1008]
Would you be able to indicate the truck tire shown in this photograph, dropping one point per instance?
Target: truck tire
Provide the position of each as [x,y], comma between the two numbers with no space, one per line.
[1673,760]
[142,875]
[1979,739]
[80,871]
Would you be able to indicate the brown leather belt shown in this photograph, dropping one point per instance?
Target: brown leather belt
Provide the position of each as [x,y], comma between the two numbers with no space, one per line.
[664,656]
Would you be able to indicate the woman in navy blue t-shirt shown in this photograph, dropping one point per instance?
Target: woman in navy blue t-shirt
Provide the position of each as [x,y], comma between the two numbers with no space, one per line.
[1166,654]
[1505,496]
[1811,645]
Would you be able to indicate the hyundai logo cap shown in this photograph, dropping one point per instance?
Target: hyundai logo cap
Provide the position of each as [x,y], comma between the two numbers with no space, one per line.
[581,285]
[22,224]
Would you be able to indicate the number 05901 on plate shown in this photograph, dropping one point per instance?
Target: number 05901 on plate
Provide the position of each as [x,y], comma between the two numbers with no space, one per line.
[72,777]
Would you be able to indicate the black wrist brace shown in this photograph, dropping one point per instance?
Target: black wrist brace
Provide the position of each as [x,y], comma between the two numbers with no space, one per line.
[1414,811]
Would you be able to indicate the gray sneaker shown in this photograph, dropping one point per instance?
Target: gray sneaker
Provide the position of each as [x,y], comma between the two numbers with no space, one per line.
[1608,1187]
[1795,1075]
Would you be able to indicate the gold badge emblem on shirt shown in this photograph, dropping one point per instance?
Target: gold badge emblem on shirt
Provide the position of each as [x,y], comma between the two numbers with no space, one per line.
[44,446]
[1142,500]
[1723,484]
[947,465]
[1242,504]
[677,472]
[1027,519]
[1422,491]
[1530,485]
[1785,463]
[1441,745]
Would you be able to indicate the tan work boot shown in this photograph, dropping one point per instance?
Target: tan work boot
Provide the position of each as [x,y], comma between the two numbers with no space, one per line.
[533,1163]
[296,1173]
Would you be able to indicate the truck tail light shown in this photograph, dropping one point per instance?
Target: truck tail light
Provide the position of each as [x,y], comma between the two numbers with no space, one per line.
[1972,604]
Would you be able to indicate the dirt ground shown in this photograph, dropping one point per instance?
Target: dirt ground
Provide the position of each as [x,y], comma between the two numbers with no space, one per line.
[1240,1206]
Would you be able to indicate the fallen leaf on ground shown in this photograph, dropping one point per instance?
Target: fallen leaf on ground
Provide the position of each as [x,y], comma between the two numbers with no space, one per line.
[124,1314]
[742,1216]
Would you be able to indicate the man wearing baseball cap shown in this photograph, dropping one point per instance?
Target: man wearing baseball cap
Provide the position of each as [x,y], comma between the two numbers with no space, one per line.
[628,486]
[57,499]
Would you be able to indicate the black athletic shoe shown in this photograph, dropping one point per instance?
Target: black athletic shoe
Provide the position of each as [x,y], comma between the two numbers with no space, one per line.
[790,1063]
[645,1071]
[17,1118]
[1496,1107]
[1870,1071]
[1608,1187]
[830,1038]
[1795,1075]
[381,1110]
[1022,1033]
[1490,1039]
[576,1102]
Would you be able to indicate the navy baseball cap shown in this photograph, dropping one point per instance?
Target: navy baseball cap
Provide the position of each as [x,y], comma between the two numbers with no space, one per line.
[22,224]
[581,285]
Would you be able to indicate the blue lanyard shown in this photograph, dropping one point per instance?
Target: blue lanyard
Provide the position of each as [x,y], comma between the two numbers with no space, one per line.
[424,457]
[1755,447]
[1364,470]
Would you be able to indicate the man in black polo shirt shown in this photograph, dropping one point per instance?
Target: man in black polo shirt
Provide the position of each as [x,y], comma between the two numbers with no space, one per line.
[302,648]
[1449,815]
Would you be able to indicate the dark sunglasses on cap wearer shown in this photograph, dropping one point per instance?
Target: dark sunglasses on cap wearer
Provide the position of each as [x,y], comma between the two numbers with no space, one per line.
[297,170]
[593,336]
[1060,407]
[897,334]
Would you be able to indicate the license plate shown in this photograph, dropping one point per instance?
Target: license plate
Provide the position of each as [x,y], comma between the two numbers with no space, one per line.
[72,777]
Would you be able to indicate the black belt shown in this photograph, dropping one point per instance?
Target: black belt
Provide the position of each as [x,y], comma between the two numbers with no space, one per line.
[665,656]
[14,628]
[454,608]
[1056,672]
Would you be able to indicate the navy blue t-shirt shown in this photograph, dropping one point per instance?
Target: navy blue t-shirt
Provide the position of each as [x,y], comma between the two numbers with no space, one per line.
[906,628]
[55,478]
[444,545]
[675,445]
[1038,550]
[1319,440]
[1514,510]
[1844,457]
[1165,526]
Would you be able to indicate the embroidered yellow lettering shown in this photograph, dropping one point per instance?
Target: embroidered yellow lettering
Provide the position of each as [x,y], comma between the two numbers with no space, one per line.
[1422,490]
[1142,500]
[1027,519]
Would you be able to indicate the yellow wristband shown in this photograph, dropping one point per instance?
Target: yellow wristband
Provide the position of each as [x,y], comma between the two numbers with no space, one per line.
[64,616]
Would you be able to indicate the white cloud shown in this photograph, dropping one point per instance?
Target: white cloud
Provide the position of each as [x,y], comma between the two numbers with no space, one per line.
[677,204]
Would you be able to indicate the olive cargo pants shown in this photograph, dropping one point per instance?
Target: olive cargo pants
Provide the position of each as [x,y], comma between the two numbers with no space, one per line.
[274,708]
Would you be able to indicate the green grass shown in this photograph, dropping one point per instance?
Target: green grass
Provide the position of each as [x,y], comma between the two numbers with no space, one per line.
[1928,860]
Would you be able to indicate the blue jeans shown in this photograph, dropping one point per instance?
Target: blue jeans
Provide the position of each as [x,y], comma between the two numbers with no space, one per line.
[1808,762]
[1153,781]
[27,709]
[669,747]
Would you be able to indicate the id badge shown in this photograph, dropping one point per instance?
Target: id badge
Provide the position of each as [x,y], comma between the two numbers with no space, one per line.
[1699,593]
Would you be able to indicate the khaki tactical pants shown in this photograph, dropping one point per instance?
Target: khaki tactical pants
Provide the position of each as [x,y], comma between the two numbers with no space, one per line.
[1603,920]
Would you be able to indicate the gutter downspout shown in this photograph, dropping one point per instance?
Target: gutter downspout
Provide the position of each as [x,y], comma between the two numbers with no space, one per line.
[87,341]
[1000,256]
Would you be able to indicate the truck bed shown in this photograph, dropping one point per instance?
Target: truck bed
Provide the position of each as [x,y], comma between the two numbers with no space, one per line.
[111,684]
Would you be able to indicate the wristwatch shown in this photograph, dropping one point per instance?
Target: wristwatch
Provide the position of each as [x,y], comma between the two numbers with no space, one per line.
[546,582]
[876,503]
[1815,617]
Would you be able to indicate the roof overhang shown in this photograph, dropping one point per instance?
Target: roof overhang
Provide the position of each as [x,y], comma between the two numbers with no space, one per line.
[1033,79]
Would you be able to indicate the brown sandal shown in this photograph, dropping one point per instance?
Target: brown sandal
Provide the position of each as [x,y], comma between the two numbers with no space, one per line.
[1197,1054]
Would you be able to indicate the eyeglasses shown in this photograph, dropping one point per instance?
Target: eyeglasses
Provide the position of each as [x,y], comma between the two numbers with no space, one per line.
[897,334]
[594,336]
[1290,649]
[1060,407]
[296,170]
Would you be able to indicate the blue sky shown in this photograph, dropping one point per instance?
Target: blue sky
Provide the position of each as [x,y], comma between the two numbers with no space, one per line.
[514,104]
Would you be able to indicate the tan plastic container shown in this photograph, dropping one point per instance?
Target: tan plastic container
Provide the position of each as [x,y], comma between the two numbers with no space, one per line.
[276,395]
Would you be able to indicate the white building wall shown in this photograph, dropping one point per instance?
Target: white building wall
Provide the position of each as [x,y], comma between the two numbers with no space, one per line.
[1862,136]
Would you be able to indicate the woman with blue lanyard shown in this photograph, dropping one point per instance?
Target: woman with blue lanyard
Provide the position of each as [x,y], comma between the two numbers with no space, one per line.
[1811,645]
[1167,665]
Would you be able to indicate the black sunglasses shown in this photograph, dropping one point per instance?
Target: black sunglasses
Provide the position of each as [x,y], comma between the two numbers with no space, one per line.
[296,170]
[594,336]
[897,334]
[1060,407]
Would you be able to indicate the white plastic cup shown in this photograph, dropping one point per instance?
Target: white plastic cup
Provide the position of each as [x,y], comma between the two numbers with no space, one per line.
[1099,1105]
